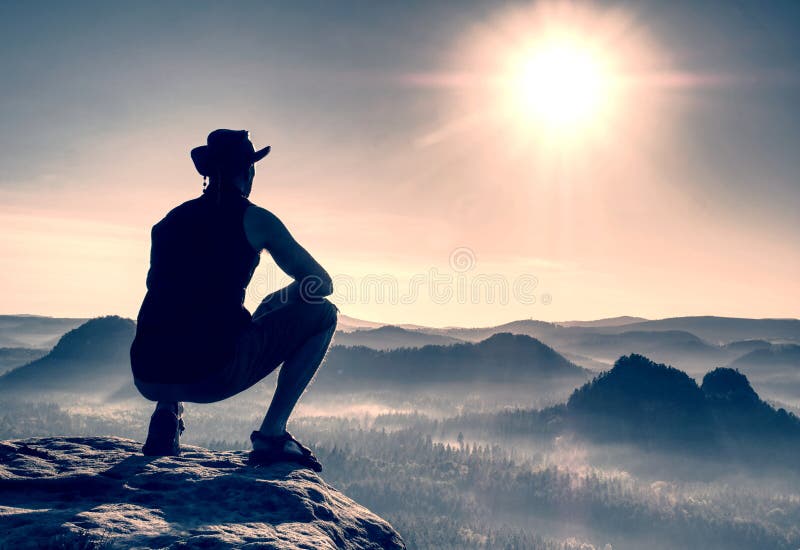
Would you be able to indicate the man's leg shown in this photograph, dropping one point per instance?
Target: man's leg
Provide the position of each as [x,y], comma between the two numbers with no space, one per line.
[175,407]
[166,426]
[296,373]
[299,368]
[280,298]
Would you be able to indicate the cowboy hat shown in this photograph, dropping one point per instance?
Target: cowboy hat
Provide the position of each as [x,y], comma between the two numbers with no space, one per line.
[226,151]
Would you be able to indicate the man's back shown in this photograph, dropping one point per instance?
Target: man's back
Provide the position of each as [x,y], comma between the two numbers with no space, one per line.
[201,262]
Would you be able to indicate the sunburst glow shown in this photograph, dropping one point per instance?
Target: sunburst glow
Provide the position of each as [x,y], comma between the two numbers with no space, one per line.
[561,83]
[555,76]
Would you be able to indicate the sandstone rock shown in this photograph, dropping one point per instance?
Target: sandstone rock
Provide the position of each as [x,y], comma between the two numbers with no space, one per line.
[100,492]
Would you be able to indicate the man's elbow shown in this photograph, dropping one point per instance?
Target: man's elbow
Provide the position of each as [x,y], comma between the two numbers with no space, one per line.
[326,287]
[316,286]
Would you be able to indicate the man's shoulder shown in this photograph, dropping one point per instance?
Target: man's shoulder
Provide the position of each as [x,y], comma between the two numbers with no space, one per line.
[263,228]
[181,211]
[259,215]
[188,205]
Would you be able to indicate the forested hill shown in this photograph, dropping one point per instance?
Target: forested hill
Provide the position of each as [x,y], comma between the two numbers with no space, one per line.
[659,407]
[502,358]
[645,401]
[86,358]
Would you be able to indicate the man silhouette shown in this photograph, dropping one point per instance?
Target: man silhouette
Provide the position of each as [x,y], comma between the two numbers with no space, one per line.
[195,341]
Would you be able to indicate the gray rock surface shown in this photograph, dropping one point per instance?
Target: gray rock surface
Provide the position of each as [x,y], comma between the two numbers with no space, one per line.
[100,492]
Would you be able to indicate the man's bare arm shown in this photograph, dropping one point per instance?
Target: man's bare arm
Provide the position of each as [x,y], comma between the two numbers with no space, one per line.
[266,232]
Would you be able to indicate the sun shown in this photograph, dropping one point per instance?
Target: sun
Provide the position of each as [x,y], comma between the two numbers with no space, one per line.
[560,83]
[555,78]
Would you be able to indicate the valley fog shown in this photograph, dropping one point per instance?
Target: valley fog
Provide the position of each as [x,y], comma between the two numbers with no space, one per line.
[495,439]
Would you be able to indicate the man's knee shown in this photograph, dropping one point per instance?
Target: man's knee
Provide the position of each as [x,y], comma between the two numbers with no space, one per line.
[321,313]
[329,314]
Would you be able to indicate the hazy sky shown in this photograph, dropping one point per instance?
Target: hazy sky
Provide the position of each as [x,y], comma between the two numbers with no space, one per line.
[393,162]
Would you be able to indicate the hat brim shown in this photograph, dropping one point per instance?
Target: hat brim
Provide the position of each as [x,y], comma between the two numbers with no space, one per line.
[203,163]
[261,153]
[202,160]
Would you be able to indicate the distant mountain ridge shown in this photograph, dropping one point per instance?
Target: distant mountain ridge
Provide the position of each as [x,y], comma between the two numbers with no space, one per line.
[88,357]
[770,358]
[774,369]
[391,337]
[95,356]
[34,331]
[716,330]
[722,330]
[348,324]
[502,358]
[668,346]
[694,344]
[592,346]
[741,347]
[607,322]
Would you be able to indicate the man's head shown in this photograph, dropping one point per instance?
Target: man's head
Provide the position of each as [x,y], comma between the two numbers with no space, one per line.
[228,158]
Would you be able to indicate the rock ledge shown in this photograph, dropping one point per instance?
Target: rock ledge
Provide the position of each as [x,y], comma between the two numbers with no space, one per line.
[100,492]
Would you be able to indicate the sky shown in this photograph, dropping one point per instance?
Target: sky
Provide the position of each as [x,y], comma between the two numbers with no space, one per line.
[403,157]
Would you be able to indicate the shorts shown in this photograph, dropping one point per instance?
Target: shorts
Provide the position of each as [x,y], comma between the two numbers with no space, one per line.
[272,337]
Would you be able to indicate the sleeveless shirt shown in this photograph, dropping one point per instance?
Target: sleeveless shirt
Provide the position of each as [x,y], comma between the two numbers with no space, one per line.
[193,312]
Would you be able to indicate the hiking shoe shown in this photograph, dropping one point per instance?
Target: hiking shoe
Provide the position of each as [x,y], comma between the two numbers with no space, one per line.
[163,436]
[282,448]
